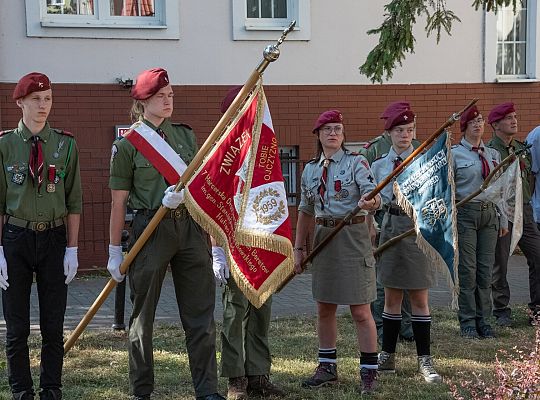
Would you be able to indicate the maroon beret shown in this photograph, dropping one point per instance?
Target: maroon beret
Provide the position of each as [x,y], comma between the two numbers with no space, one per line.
[149,82]
[229,98]
[399,118]
[30,83]
[499,112]
[392,108]
[470,114]
[328,117]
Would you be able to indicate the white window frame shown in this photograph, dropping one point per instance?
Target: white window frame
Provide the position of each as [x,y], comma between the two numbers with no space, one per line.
[265,28]
[490,48]
[163,25]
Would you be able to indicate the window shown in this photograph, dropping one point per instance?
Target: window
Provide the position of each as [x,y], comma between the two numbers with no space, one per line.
[512,41]
[260,19]
[510,53]
[289,167]
[144,19]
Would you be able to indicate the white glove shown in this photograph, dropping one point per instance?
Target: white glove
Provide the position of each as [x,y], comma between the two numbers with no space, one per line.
[172,199]
[71,263]
[3,270]
[219,265]
[115,259]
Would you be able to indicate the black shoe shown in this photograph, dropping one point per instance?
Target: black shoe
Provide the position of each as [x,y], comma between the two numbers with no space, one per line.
[325,374]
[468,332]
[486,332]
[26,395]
[215,396]
[50,394]
[505,321]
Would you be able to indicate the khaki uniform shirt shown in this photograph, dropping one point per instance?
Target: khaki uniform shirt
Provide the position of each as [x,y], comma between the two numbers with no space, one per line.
[382,167]
[131,171]
[349,177]
[56,198]
[525,163]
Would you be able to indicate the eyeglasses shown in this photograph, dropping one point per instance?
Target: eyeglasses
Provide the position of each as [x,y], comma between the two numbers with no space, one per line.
[327,130]
[477,121]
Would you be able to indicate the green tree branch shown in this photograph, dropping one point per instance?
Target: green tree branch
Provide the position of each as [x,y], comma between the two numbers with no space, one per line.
[396,37]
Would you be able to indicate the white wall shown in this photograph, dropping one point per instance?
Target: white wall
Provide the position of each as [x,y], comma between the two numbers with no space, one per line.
[206,53]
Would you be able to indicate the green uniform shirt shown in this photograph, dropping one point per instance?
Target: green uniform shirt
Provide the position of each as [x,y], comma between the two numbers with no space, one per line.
[131,171]
[19,196]
[380,146]
[525,162]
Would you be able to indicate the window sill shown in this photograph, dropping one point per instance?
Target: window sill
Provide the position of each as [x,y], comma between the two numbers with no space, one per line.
[52,24]
[516,80]
[268,27]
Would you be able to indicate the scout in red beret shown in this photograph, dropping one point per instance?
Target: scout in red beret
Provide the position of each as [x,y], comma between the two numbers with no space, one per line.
[470,114]
[393,108]
[328,117]
[30,83]
[149,82]
[500,111]
[399,118]
[229,98]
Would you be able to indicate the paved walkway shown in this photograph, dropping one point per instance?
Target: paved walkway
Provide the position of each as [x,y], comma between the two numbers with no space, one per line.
[294,300]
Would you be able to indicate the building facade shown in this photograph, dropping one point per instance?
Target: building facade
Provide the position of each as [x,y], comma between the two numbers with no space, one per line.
[92,49]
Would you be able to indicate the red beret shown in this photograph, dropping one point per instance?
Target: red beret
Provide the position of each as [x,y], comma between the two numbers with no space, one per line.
[328,117]
[470,114]
[392,108]
[499,112]
[33,82]
[229,98]
[399,118]
[149,82]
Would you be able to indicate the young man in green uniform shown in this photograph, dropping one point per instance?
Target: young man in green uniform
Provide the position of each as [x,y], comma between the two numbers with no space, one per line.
[245,354]
[40,207]
[373,150]
[504,121]
[178,240]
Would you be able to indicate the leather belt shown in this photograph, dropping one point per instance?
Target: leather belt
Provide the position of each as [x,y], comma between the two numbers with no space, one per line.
[479,205]
[177,213]
[393,209]
[331,222]
[38,226]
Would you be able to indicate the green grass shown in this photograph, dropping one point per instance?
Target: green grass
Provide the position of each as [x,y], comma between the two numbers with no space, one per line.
[96,368]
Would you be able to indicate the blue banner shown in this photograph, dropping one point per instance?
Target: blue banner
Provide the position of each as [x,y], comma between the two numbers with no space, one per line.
[425,190]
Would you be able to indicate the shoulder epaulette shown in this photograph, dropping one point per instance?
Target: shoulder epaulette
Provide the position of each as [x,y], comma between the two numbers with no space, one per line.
[381,156]
[182,124]
[63,132]
[313,160]
[2,133]
[372,141]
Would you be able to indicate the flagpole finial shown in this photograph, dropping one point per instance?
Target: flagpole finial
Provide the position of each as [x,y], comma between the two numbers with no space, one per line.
[271,52]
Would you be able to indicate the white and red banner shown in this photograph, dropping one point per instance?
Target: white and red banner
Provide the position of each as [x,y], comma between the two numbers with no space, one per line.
[157,151]
[238,195]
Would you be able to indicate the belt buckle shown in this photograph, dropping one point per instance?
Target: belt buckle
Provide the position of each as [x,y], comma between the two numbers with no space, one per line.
[41,226]
[484,206]
[331,223]
[176,213]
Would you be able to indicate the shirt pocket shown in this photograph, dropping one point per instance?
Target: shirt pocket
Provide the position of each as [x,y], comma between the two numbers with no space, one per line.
[464,169]
[310,192]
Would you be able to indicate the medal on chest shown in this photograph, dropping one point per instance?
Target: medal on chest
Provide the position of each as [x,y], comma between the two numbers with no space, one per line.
[51,186]
[56,154]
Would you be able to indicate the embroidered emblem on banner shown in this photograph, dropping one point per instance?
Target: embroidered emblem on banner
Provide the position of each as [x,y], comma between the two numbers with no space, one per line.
[434,210]
[268,207]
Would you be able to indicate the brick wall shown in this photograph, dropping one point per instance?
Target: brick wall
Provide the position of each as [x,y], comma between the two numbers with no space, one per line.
[92,111]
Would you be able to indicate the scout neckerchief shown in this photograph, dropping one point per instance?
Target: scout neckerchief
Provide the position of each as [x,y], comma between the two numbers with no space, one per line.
[485,165]
[35,163]
[324,178]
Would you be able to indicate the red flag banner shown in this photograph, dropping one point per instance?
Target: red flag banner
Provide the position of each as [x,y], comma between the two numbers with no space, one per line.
[239,197]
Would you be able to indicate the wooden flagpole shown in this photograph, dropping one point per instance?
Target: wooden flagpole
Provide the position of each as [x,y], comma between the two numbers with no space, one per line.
[270,54]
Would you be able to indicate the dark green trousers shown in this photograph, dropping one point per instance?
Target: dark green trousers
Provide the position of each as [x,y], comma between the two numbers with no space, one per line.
[183,244]
[244,338]
[478,227]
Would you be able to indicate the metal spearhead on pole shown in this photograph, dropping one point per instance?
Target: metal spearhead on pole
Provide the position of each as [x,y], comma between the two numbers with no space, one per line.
[270,54]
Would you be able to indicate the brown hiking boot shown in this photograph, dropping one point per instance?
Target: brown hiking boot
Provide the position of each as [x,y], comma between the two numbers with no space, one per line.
[325,374]
[260,385]
[237,388]
[368,378]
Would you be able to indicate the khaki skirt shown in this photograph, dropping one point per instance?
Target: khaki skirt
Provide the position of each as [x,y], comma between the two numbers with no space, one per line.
[344,270]
[403,266]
